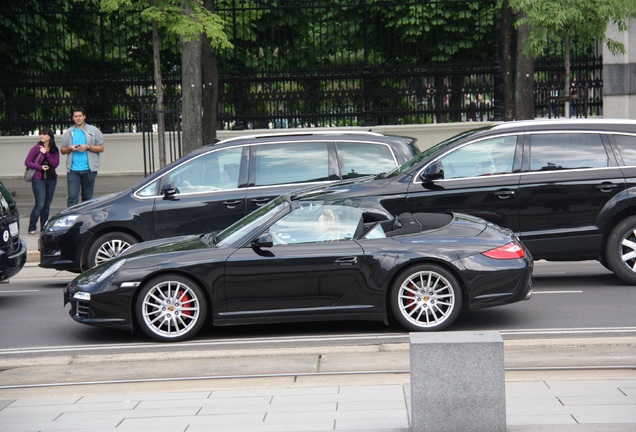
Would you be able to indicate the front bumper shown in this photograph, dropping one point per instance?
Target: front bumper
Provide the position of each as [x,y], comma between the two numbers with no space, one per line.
[63,250]
[116,312]
[11,264]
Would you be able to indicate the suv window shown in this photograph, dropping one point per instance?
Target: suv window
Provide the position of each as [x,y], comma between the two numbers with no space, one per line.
[210,172]
[284,164]
[486,157]
[362,159]
[567,151]
[627,146]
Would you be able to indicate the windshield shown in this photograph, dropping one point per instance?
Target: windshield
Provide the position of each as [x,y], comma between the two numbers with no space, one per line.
[429,151]
[238,230]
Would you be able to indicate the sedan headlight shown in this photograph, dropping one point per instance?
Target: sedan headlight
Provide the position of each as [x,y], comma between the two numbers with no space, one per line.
[62,224]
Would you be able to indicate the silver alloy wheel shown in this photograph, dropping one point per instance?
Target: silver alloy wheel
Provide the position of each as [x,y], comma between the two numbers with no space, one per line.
[110,249]
[171,309]
[628,249]
[426,299]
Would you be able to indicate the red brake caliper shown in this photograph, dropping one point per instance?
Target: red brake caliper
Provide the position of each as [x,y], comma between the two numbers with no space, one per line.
[413,287]
[184,300]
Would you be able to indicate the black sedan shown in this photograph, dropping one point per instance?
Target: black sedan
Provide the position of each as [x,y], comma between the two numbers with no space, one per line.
[308,257]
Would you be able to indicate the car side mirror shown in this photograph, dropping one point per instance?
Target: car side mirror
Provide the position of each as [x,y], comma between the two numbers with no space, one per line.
[434,171]
[263,241]
[169,190]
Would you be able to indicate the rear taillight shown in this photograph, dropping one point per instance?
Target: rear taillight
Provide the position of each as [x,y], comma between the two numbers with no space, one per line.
[510,251]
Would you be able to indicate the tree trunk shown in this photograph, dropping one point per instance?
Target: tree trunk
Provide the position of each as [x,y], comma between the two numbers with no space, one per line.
[210,85]
[524,78]
[191,95]
[161,127]
[507,33]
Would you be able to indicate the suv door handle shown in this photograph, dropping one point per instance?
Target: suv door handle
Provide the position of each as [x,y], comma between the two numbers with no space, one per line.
[260,201]
[504,194]
[231,204]
[606,187]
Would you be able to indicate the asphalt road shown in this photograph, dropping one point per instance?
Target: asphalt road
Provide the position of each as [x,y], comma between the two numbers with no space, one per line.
[568,298]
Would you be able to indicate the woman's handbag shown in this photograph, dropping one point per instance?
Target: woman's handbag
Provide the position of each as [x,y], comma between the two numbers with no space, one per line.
[30,172]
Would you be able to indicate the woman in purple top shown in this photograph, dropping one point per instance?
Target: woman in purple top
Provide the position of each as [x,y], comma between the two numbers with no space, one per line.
[44,157]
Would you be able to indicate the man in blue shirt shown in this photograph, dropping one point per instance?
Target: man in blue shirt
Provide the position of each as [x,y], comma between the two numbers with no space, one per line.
[83,143]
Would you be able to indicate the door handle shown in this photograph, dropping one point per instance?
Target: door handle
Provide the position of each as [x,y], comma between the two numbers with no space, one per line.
[260,201]
[606,187]
[231,204]
[347,261]
[504,194]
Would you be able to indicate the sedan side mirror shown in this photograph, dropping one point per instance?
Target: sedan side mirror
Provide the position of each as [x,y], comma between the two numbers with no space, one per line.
[434,171]
[169,190]
[263,241]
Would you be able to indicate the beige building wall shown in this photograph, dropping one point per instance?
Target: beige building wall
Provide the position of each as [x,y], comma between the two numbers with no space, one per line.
[619,75]
[124,152]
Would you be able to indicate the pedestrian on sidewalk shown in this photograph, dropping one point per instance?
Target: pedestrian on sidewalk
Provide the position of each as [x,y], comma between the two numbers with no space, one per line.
[44,158]
[83,143]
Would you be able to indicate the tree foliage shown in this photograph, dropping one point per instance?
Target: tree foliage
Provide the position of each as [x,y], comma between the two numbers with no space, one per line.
[585,19]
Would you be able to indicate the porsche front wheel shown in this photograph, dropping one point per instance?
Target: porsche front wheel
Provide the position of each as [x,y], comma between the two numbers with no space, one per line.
[426,297]
[171,308]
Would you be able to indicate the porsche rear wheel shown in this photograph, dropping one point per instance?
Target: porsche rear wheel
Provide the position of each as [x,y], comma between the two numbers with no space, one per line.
[171,308]
[426,297]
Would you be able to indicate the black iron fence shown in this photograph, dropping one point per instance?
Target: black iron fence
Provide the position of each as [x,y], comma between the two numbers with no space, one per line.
[295,63]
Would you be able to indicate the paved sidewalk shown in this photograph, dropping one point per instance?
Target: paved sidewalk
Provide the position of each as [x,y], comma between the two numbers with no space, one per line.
[348,402]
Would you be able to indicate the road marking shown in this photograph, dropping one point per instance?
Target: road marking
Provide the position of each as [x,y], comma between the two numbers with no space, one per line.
[569,331]
[17,291]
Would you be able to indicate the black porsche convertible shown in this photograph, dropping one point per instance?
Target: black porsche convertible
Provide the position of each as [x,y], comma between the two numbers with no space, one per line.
[308,256]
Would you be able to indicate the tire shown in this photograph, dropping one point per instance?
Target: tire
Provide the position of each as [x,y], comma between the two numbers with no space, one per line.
[426,297]
[171,308]
[109,246]
[620,250]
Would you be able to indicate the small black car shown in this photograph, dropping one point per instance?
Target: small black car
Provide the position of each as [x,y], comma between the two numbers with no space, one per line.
[308,257]
[211,188]
[566,187]
[13,252]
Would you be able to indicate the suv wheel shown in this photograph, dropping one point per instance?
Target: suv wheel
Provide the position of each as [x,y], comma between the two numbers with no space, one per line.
[109,246]
[621,250]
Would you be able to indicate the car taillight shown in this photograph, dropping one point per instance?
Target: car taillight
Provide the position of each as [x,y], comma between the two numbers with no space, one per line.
[510,251]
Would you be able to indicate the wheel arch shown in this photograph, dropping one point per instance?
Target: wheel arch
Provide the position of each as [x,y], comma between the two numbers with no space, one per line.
[105,230]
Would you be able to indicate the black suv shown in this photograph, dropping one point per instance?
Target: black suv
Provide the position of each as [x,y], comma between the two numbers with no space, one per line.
[211,188]
[13,252]
[567,188]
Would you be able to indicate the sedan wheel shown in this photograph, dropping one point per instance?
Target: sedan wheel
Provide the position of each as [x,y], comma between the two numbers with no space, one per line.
[426,298]
[621,250]
[109,246]
[171,308]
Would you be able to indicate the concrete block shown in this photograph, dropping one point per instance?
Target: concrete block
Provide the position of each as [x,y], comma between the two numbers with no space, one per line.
[457,382]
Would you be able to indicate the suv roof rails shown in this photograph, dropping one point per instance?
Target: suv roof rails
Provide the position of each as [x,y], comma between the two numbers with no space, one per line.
[300,133]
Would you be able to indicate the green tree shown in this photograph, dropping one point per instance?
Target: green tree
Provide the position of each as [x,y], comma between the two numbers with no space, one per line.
[188,19]
[560,21]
